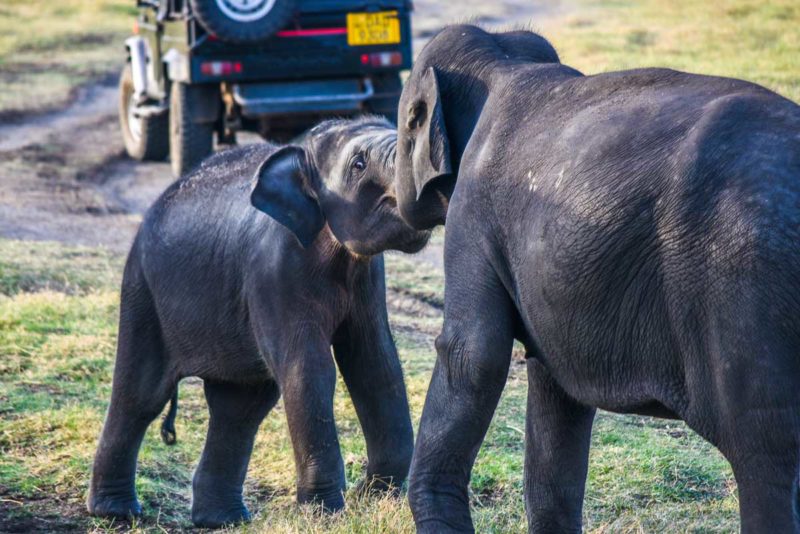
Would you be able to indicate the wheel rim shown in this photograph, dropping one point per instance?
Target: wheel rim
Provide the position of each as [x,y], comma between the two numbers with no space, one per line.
[134,122]
[245,10]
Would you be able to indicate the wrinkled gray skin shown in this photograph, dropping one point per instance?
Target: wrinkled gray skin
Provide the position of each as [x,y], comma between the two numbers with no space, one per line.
[638,232]
[216,289]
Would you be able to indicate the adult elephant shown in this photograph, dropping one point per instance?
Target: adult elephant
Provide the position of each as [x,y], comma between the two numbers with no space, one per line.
[638,232]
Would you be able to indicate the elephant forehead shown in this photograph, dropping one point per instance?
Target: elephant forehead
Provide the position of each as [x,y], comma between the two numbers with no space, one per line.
[365,140]
[330,137]
[377,145]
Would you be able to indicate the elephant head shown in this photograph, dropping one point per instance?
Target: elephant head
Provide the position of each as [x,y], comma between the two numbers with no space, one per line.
[424,163]
[341,175]
[439,108]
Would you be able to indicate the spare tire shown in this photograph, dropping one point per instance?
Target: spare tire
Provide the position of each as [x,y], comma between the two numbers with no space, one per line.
[243,21]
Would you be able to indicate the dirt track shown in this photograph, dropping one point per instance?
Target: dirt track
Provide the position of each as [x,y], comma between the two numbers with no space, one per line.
[64,175]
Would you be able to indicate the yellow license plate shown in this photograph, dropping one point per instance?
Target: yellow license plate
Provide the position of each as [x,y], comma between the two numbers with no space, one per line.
[373,28]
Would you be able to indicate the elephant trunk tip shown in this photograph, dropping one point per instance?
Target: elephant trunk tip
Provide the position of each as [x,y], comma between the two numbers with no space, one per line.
[168,434]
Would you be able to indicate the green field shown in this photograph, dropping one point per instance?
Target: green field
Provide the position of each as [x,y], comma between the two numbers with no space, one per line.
[58,318]
[59,305]
[750,39]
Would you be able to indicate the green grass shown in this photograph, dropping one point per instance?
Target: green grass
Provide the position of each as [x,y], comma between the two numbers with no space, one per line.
[47,49]
[58,315]
[32,267]
[750,39]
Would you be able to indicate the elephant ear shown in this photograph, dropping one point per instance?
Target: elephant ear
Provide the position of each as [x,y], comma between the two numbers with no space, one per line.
[284,193]
[431,155]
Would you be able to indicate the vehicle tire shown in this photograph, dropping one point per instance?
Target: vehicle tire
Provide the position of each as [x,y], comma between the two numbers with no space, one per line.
[189,141]
[145,138]
[387,95]
[243,21]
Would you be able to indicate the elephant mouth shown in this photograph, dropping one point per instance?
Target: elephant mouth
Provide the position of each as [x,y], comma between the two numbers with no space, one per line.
[417,239]
[416,242]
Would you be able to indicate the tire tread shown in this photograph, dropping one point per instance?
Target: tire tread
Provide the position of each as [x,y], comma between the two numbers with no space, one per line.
[189,142]
[154,142]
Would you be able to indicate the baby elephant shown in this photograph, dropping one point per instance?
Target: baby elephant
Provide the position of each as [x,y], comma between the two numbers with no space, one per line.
[215,289]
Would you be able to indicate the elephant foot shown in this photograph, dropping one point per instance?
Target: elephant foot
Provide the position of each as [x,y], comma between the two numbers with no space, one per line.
[330,501]
[217,503]
[377,486]
[441,527]
[126,507]
[208,517]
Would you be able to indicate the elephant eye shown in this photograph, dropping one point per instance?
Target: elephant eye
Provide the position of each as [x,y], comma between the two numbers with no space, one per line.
[358,163]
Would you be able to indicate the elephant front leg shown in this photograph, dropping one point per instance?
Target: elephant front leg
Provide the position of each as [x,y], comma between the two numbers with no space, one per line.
[474,353]
[236,412]
[371,369]
[308,381]
[557,435]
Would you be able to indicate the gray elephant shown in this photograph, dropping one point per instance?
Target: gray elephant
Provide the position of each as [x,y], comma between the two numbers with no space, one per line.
[215,289]
[638,232]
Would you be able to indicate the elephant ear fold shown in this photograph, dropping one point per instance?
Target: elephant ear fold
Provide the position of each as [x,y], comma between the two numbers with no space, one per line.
[283,192]
[431,156]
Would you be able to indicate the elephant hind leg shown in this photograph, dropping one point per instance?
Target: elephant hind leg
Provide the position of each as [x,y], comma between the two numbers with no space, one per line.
[236,413]
[755,357]
[557,436]
[141,387]
[764,451]
[753,418]
[768,478]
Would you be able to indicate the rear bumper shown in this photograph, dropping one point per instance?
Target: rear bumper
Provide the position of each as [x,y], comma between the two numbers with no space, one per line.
[339,95]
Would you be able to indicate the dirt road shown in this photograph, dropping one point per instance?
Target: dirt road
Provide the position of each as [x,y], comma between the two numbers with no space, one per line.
[64,176]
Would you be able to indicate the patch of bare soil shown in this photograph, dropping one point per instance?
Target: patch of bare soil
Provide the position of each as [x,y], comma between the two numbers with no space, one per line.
[14,72]
[42,516]
[64,176]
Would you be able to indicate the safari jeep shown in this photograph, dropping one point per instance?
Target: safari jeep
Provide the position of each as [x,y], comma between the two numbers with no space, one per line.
[197,68]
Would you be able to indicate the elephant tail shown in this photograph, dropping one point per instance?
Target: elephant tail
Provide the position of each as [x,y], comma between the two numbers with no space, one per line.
[168,424]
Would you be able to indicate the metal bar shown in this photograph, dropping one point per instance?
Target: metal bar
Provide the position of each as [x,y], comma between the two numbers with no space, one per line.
[243,101]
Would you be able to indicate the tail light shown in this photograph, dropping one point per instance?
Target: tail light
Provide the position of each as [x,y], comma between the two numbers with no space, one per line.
[382,59]
[220,68]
